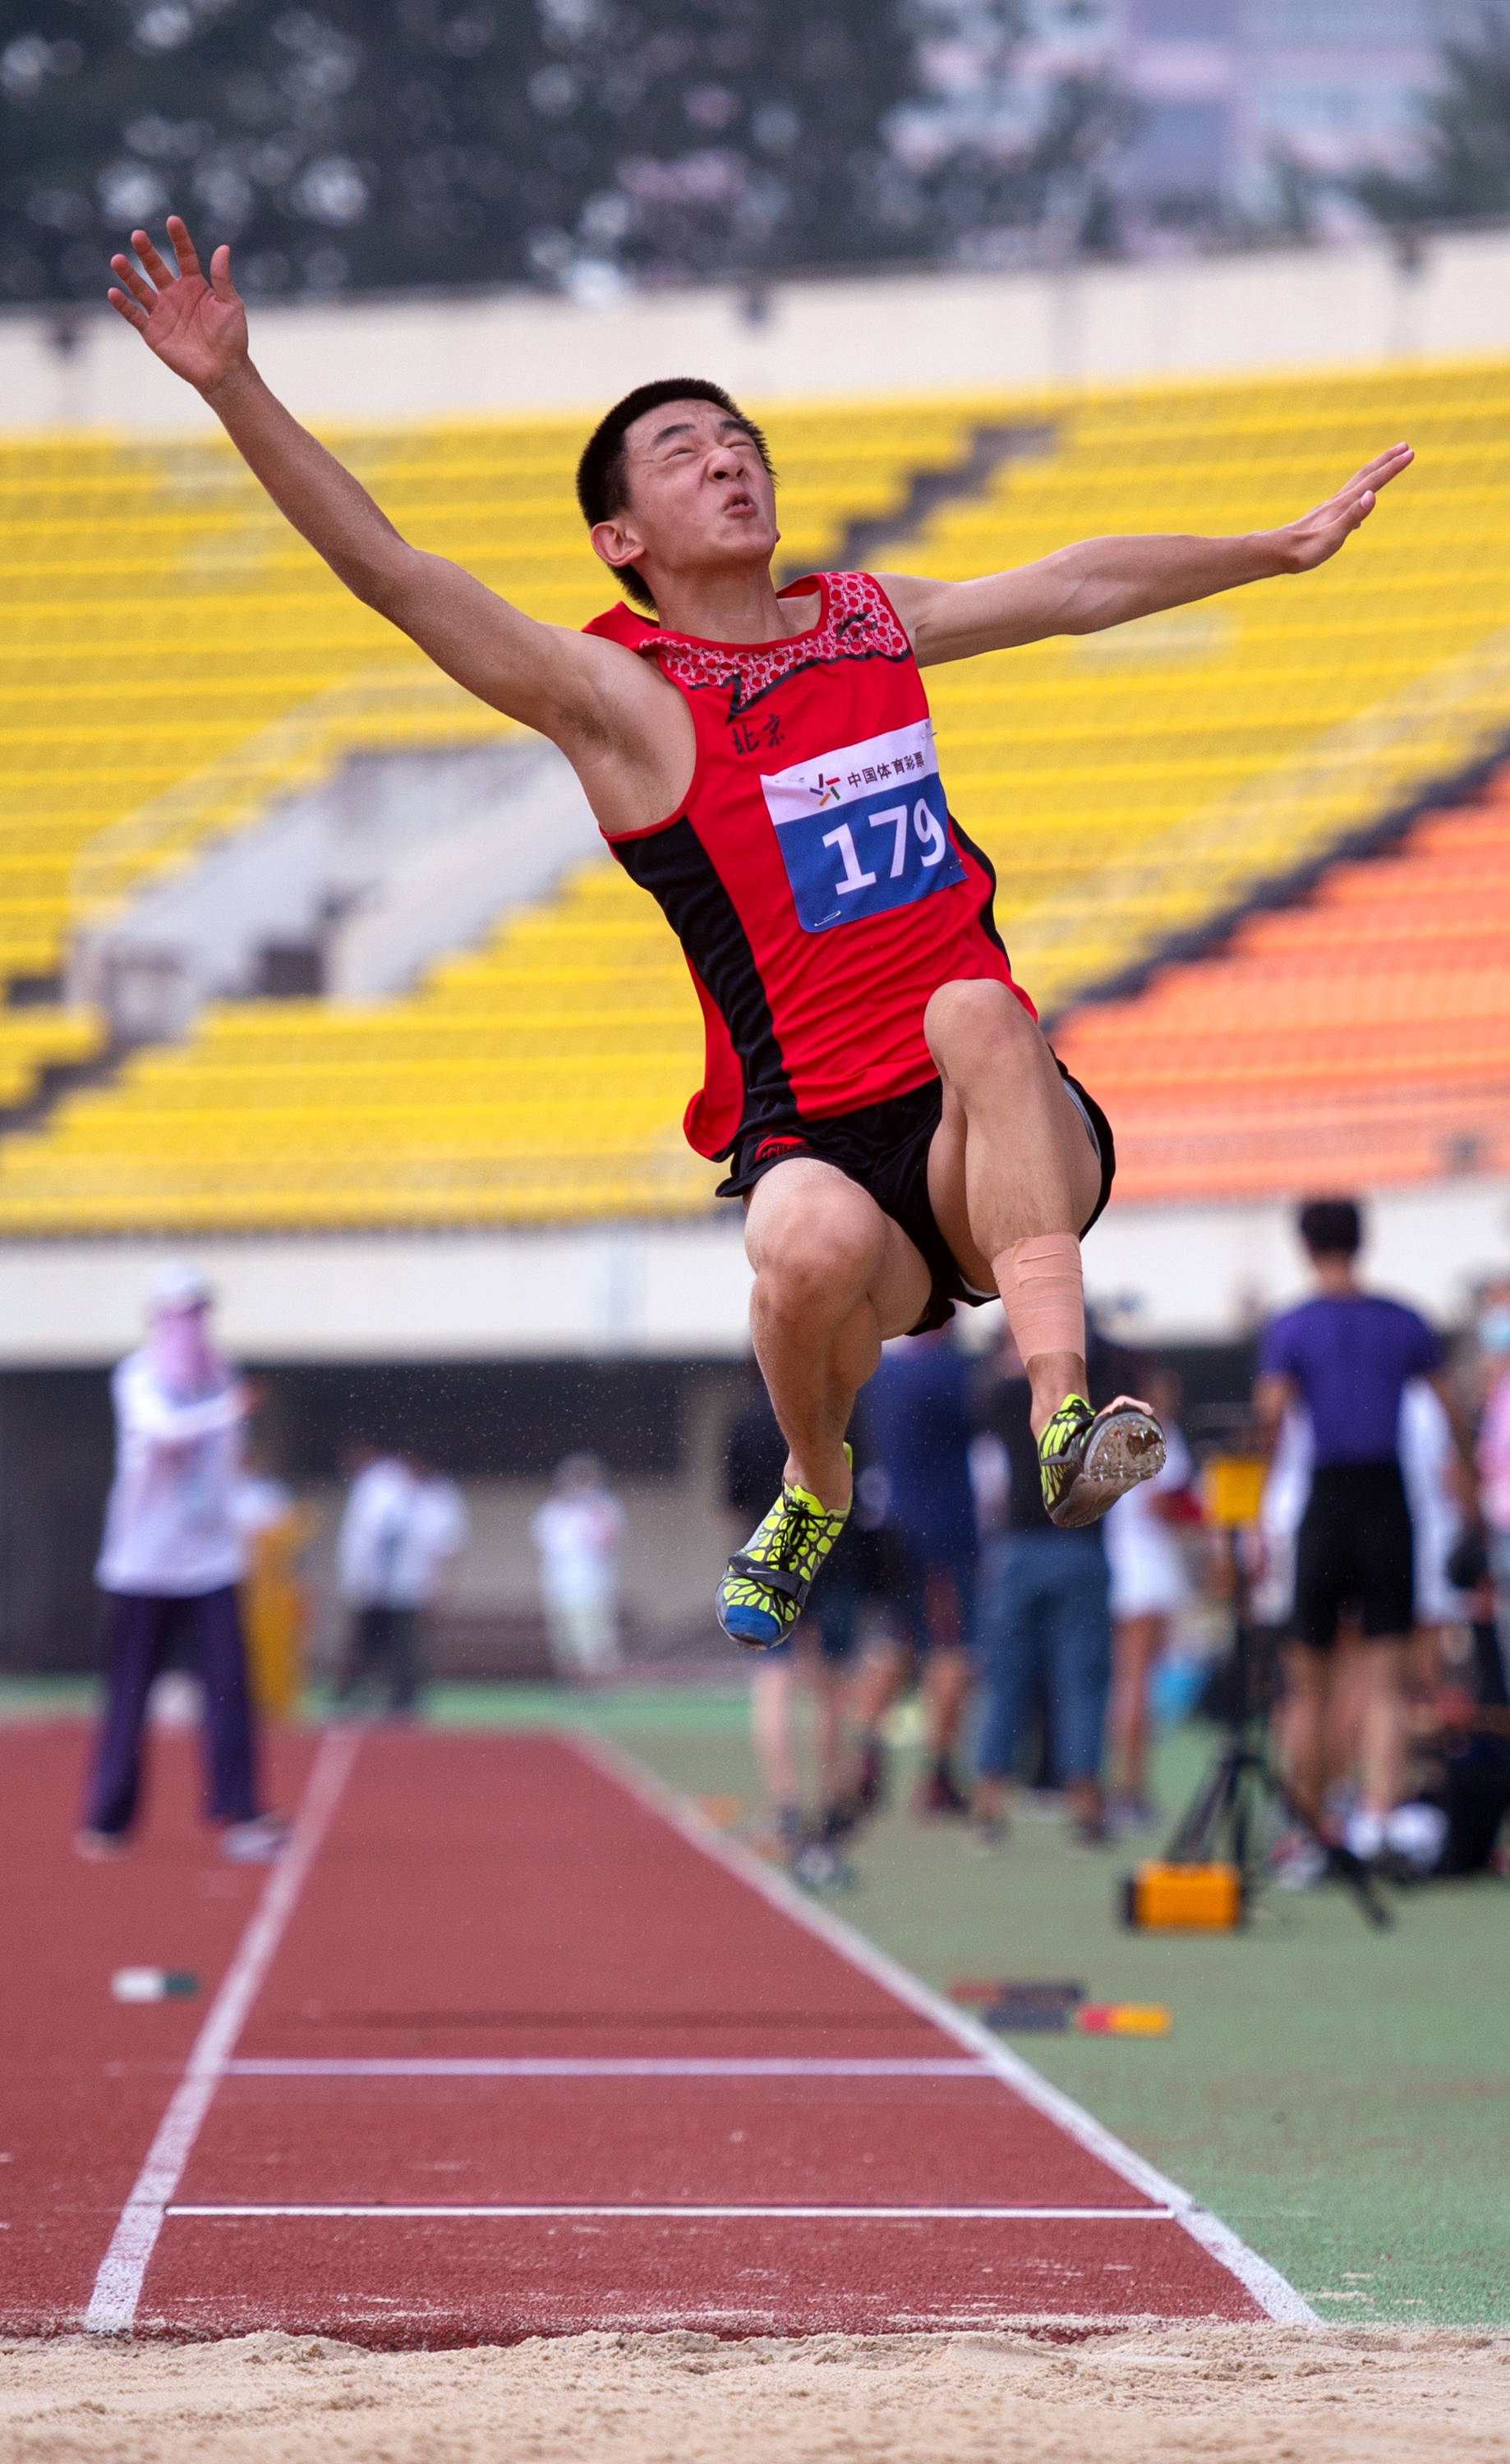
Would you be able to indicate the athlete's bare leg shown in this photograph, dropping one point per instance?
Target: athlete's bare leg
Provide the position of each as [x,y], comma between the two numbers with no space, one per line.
[834,1278]
[1011,1156]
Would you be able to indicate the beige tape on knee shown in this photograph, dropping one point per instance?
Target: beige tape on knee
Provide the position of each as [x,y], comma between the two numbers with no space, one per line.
[1043,1294]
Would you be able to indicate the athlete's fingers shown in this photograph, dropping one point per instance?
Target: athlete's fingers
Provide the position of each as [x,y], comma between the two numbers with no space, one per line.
[132,281]
[143,243]
[128,309]
[220,274]
[184,247]
[1379,473]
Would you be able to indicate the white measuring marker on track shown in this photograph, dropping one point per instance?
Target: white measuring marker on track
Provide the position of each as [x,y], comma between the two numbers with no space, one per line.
[635,2209]
[606,2066]
[1273,2294]
[118,2286]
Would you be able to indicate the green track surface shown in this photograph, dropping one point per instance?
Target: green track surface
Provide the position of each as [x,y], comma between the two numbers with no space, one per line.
[1341,2096]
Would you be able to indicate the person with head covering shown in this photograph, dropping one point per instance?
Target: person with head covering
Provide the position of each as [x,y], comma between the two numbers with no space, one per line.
[172,1556]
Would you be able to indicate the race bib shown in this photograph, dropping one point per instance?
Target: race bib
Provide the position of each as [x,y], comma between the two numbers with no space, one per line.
[863,829]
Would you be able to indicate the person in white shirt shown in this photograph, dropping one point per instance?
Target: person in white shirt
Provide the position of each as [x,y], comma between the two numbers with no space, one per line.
[401,1527]
[171,1558]
[577,1534]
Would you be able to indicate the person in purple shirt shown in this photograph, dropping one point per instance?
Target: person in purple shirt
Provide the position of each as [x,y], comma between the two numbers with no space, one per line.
[918,1422]
[1345,1357]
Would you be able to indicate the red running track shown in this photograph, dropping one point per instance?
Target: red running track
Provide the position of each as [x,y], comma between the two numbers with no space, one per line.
[512,2045]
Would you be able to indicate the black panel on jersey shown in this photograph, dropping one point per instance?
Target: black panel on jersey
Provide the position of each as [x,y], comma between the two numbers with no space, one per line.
[989,924]
[676,868]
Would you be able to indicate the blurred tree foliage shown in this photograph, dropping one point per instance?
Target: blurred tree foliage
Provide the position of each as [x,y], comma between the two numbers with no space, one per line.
[1465,137]
[577,144]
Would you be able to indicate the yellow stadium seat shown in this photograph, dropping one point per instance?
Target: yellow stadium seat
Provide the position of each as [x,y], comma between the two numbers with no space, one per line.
[1125,785]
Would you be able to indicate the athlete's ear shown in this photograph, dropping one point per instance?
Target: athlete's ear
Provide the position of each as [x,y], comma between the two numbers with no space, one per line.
[617,542]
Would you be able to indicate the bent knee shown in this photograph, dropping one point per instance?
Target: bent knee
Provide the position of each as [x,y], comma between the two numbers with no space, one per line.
[969,1023]
[813,1236]
[810,1272]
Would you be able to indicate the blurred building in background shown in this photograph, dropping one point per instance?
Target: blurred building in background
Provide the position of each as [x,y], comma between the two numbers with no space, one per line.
[588,146]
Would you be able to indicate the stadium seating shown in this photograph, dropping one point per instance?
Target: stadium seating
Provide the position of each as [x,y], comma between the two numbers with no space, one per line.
[539,1078]
[176,656]
[34,1040]
[1359,1039]
[1126,785]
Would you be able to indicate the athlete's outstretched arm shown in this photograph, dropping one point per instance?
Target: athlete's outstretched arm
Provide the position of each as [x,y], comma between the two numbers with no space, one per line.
[558,681]
[1104,582]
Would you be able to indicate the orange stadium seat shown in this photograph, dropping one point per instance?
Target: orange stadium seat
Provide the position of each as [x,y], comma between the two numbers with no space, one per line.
[1361,1036]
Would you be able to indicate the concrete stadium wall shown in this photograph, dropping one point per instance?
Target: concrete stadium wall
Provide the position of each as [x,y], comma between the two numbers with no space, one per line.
[1187,1274]
[926,333]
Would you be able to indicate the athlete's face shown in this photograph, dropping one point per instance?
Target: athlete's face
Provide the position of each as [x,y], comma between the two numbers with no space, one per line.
[698,496]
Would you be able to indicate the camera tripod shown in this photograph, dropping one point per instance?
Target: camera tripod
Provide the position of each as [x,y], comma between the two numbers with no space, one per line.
[1219,1824]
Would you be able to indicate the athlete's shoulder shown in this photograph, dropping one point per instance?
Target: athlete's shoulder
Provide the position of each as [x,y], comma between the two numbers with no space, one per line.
[623,624]
[858,608]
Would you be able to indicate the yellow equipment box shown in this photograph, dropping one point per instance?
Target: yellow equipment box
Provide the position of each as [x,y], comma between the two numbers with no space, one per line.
[1232,1491]
[1196,1899]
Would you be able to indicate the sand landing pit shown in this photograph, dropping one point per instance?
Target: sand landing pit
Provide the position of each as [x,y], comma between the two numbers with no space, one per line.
[1245,2395]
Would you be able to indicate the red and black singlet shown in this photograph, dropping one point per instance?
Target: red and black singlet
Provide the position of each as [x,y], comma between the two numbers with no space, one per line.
[814,876]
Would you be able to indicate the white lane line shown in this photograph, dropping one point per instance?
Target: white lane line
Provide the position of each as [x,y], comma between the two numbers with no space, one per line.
[118,2286]
[1273,2292]
[784,2215]
[592,2066]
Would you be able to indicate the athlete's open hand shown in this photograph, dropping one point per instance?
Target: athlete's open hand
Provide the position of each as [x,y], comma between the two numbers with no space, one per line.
[1319,533]
[197,328]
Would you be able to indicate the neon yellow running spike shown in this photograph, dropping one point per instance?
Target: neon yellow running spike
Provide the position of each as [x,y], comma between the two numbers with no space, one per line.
[765,1584]
[1088,1460]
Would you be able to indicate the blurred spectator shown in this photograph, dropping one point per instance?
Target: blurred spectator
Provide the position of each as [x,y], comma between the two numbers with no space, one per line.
[1492,1327]
[817,1655]
[577,1534]
[1347,1355]
[275,1605]
[1432,1472]
[401,1527]
[170,1562]
[917,1413]
[1044,1617]
[1148,1587]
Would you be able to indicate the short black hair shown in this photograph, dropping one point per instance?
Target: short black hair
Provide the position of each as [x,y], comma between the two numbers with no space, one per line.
[601,477]
[1332,1227]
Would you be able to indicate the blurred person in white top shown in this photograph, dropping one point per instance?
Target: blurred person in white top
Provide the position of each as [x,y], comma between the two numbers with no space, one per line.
[577,1534]
[401,1527]
[172,1556]
[1148,1587]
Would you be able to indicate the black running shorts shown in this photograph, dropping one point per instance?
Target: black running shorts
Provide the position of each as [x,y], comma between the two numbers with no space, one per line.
[1355,1550]
[885,1147]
